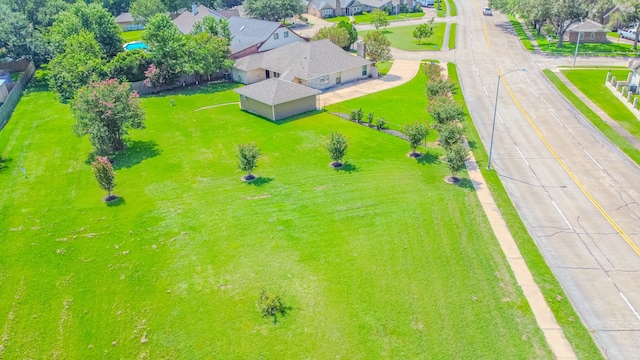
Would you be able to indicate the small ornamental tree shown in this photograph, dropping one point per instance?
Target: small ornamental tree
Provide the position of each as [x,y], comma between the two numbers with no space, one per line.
[433,71]
[439,87]
[415,133]
[378,19]
[271,305]
[337,148]
[336,34]
[359,115]
[378,47]
[370,118]
[422,31]
[105,176]
[105,111]
[248,155]
[445,110]
[450,134]
[456,155]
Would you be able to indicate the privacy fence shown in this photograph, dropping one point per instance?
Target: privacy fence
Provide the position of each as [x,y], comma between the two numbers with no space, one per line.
[9,105]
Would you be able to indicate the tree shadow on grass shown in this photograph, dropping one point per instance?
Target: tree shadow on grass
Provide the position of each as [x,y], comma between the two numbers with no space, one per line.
[136,152]
[260,181]
[466,184]
[116,202]
[4,163]
[428,158]
[347,167]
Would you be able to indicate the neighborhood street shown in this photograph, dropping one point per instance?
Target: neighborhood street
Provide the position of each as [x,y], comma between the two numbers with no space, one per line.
[575,191]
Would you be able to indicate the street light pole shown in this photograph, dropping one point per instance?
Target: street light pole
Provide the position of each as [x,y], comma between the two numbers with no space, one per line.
[577,43]
[495,112]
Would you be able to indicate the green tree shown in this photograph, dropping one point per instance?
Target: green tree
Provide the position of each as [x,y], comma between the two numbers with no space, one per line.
[206,54]
[248,155]
[129,65]
[450,134]
[166,46]
[415,133]
[212,26]
[378,19]
[378,47]
[175,6]
[422,31]
[565,13]
[105,176]
[445,110]
[456,156]
[439,87]
[337,148]
[92,18]
[143,10]
[271,305]
[80,62]
[105,111]
[335,34]
[273,10]
[351,30]
[629,11]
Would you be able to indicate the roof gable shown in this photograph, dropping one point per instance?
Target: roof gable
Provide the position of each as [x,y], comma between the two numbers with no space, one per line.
[187,19]
[585,26]
[247,32]
[275,91]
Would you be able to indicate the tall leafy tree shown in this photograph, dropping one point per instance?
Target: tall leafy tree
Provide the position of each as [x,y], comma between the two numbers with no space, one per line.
[92,18]
[116,7]
[129,65]
[105,111]
[166,45]
[273,10]
[351,30]
[206,54]
[213,27]
[143,10]
[378,46]
[422,31]
[564,13]
[378,19]
[335,34]
[176,5]
[81,61]
[629,12]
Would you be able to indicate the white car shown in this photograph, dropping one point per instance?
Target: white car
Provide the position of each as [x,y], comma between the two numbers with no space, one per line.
[487,12]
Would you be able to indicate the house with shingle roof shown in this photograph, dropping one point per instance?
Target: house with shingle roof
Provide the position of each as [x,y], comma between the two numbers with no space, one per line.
[187,19]
[588,30]
[332,8]
[277,99]
[252,36]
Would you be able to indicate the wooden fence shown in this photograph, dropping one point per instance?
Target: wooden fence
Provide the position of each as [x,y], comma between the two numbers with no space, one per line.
[9,105]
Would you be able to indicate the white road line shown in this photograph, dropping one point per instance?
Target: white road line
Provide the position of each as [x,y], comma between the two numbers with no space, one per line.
[632,309]
[560,212]
[594,160]
[534,92]
[499,117]
[523,158]
[477,72]
[485,90]
[554,115]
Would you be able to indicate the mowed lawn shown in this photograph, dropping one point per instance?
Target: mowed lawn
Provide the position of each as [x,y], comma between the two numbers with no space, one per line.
[402,38]
[363,19]
[380,260]
[591,83]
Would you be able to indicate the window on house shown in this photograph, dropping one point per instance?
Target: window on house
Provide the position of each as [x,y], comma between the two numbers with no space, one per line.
[276,36]
[327,12]
[364,70]
[592,36]
[356,9]
[286,34]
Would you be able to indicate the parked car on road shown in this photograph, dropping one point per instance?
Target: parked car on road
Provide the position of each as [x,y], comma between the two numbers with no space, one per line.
[487,11]
[629,34]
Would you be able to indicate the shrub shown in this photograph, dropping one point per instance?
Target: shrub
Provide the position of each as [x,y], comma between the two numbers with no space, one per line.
[445,110]
[359,115]
[370,118]
[415,133]
[381,124]
[129,65]
[440,87]
[271,305]
[353,116]
[432,70]
[337,147]
[456,155]
[451,134]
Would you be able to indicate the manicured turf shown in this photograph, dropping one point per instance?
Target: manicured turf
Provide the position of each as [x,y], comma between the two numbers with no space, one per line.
[591,83]
[364,19]
[402,38]
[522,34]
[452,8]
[596,120]
[129,36]
[574,330]
[384,67]
[442,10]
[452,37]
[380,260]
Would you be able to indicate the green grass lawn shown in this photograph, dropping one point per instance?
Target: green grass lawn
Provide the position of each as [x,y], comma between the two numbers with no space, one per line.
[129,36]
[380,260]
[591,83]
[384,67]
[452,36]
[402,38]
[364,19]
[442,10]
[522,34]
[452,8]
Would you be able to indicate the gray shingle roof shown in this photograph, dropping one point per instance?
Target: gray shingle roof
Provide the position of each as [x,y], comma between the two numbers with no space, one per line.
[124,17]
[247,32]
[186,20]
[305,60]
[586,26]
[275,91]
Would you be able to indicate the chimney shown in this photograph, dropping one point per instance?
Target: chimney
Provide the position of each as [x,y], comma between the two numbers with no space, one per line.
[361,49]
[194,9]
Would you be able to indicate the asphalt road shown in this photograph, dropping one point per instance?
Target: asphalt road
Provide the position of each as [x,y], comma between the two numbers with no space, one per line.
[576,192]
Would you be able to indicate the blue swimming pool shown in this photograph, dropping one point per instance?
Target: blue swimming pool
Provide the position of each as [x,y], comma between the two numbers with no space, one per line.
[135,45]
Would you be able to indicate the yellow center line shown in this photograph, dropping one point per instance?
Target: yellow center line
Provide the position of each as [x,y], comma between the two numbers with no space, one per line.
[569,172]
[484,26]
